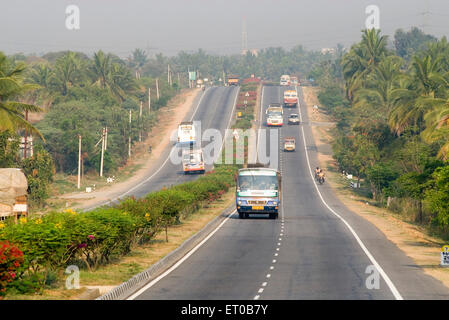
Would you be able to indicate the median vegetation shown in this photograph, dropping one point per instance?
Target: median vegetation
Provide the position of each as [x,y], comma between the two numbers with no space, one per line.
[35,252]
[391,109]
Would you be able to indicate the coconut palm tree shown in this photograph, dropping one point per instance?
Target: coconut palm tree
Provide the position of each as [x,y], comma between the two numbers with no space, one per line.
[11,87]
[362,59]
[67,71]
[378,94]
[120,81]
[138,60]
[100,69]
[412,98]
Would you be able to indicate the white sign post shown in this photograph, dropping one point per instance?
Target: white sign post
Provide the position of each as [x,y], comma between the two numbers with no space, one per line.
[445,256]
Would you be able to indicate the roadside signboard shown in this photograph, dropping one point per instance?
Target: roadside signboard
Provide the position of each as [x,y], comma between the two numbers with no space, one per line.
[445,255]
[192,75]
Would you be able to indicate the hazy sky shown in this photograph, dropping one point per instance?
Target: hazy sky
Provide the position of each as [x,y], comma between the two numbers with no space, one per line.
[168,26]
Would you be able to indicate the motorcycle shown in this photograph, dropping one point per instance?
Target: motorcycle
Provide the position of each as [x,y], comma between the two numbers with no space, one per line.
[320,180]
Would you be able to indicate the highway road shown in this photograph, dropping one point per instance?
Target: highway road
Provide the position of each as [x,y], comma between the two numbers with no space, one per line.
[317,249]
[214,109]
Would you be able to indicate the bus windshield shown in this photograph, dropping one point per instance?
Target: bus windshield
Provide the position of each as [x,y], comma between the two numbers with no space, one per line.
[247,183]
[274,113]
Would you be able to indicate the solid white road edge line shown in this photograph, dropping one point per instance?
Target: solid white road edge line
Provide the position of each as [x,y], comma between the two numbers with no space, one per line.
[177,264]
[387,279]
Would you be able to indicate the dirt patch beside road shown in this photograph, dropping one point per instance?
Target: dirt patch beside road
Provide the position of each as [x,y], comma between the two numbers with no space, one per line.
[411,239]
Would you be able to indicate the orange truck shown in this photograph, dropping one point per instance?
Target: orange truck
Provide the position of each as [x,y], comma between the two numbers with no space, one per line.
[290,98]
[233,80]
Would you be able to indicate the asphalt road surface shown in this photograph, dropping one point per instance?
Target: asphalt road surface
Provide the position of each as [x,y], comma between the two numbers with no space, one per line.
[317,249]
[213,109]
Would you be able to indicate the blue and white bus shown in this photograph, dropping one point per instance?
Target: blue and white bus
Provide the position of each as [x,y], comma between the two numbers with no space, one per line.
[258,191]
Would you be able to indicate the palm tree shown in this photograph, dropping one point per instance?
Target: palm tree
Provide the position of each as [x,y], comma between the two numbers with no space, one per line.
[11,87]
[412,99]
[138,60]
[121,81]
[41,75]
[100,68]
[362,59]
[378,94]
[66,71]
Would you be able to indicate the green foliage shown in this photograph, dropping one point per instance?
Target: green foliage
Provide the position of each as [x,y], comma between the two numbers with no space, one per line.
[9,147]
[39,170]
[95,237]
[392,121]
[438,196]
[410,42]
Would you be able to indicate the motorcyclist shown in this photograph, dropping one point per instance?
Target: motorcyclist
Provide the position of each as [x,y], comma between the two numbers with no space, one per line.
[321,176]
[317,170]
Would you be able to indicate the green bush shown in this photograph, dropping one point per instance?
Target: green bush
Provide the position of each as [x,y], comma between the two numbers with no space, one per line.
[56,239]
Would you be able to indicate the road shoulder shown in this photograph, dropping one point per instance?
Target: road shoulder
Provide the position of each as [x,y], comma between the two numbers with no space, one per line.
[411,239]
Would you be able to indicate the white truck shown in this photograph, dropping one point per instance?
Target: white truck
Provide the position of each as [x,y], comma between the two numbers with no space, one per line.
[285,80]
[192,161]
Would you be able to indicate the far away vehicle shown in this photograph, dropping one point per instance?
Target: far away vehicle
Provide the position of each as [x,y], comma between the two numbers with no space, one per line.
[293,118]
[289,144]
[258,191]
[192,161]
[290,98]
[274,115]
[233,80]
[294,81]
[285,80]
[186,134]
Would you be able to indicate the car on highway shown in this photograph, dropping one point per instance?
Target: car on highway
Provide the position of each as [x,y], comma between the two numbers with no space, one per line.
[289,144]
[192,161]
[293,118]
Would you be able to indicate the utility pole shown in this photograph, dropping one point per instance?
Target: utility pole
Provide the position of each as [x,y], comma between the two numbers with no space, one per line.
[26,137]
[179,81]
[129,138]
[149,100]
[224,80]
[106,140]
[79,162]
[140,120]
[168,74]
[157,88]
[188,77]
[102,151]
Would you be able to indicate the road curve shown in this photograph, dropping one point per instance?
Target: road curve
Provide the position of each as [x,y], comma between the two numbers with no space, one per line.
[308,253]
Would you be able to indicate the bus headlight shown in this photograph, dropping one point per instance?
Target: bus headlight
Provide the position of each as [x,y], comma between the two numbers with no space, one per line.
[272,203]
